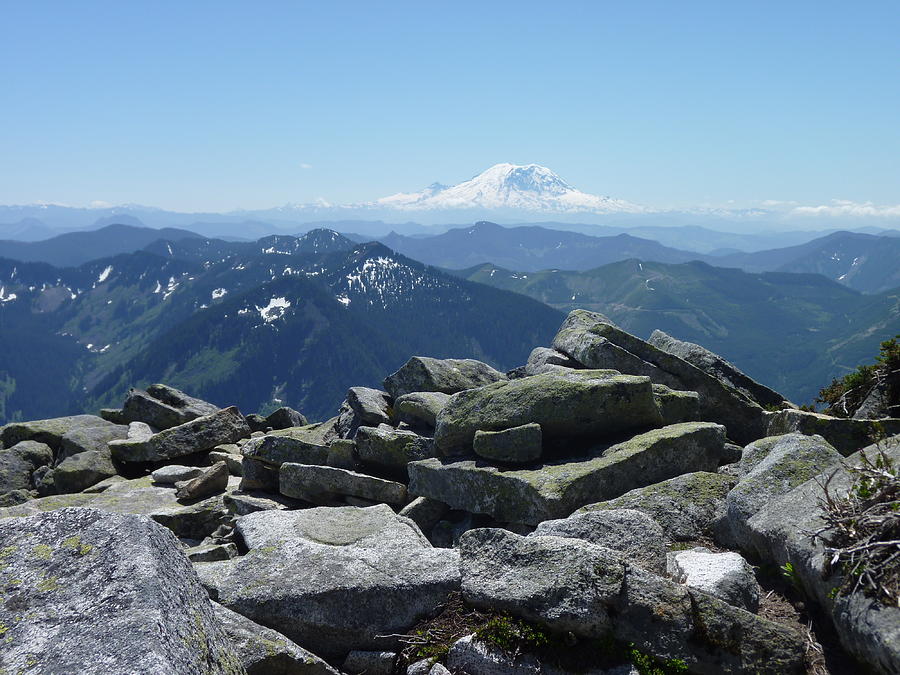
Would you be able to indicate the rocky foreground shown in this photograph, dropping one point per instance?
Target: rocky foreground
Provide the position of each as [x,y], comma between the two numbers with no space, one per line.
[609,507]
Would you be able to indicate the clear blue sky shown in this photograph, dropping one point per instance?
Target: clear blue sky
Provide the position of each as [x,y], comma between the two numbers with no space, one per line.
[217,105]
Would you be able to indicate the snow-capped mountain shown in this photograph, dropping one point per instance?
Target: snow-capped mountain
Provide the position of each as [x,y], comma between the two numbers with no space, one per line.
[509,186]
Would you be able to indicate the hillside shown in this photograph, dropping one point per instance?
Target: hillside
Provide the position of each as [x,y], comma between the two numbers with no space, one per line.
[282,320]
[793,332]
[75,248]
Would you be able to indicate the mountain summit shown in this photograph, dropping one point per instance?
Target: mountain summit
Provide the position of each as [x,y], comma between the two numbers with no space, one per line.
[509,186]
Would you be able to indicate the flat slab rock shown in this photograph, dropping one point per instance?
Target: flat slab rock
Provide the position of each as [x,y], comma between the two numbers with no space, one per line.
[554,490]
[338,585]
[198,435]
[139,497]
[447,376]
[49,431]
[90,592]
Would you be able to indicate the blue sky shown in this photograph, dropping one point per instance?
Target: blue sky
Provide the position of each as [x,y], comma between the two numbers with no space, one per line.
[220,105]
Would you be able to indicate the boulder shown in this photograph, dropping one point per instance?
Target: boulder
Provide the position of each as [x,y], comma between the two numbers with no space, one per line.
[580,403]
[138,497]
[592,341]
[544,360]
[163,407]
[422,373]
[573,585]
[114,594]
[424,512]
[90,439]
[420,409]
[321,484]
[676,406]
[634,535]
[845,434]
[256,475]
[370,527]
[685,506]
[556,489]
[80,471]
[363,407]
[198,435]
[517,445]
[725,575]
[49,431]
[792,459]
[211,481]
[175,473]
[389,449]
[719,368]
[19,462]
[780,533]
[363,662]
[341,587]
[342,454]
[285,417]
[263,651]
[233,460]
[297,444]
[242,503]
[211,552]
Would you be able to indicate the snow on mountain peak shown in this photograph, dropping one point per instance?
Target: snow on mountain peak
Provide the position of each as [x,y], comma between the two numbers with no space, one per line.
[509,186]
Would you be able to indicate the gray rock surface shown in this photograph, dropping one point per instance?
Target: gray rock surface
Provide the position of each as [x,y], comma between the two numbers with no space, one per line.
[420,409]
[285,417]
[728,576]
[792,459]
[49,431]
[79,472]
[198,435]
[424,512]
[363,662]
[573,585]
[321,484]
[139,497]
[211,481]
[115,594]
[390,449]
[556,489]
[233,460]
[846,435]
[211,552]
[516,445]
[19,462]
[676,406]
[779,533]
[242,503]
[634,535]
[422,373]
[163,407]
[590,340]
[370,527]
[579,403]
[684,506]
[263,651]
[175,473]
[544,359]
[90,439]
[715,365]
[363,407]
[334,596]
[303,445]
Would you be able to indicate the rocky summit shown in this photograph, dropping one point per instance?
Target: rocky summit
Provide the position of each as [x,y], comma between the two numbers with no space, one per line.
[612,506]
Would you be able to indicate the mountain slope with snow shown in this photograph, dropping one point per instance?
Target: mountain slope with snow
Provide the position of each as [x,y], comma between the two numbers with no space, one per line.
[509,186]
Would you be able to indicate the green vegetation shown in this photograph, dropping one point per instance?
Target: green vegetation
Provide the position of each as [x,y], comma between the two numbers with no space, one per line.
[844,396]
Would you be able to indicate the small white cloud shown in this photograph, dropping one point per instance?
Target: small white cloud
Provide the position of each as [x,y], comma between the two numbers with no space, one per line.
[778,202]
[845,207]
[99,204]
[304,165]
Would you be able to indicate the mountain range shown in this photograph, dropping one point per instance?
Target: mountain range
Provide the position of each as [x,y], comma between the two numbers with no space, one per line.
[792,332]
[504,192]
[280,321]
